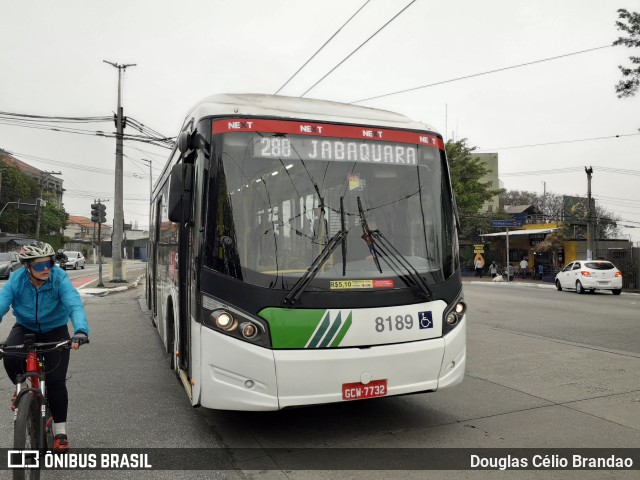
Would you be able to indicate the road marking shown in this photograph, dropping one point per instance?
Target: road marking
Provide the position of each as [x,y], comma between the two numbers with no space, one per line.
[78,282]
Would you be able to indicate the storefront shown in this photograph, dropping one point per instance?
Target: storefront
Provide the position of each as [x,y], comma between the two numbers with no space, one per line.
[522,245]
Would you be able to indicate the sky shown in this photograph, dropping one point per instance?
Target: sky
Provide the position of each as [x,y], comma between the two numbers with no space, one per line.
[51,63]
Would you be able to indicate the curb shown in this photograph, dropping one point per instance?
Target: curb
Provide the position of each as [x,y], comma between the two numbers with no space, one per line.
[513,284]
[103,292]
[530,285]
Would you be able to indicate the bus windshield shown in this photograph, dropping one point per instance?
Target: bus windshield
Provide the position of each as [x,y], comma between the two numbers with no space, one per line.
[277,200]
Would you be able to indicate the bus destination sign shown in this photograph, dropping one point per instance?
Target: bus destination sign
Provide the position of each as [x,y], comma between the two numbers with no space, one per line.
[334,150]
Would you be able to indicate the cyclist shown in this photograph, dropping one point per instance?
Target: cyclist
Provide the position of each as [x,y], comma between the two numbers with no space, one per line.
[43,301]
[61,258]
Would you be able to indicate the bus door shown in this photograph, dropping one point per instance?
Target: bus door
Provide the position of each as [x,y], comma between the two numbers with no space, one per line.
[185,256]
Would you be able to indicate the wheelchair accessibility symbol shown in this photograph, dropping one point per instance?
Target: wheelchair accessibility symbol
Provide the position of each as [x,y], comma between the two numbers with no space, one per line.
[425,320]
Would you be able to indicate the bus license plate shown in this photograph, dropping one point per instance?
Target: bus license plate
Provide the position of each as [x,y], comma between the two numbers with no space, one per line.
[357,391]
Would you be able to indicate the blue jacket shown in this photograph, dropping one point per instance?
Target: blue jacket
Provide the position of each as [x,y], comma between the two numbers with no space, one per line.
[45,308]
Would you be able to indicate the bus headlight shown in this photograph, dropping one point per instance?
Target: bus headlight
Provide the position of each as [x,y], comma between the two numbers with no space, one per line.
[452,318]
[234,322]
[461,308]
[248,330]
[453,314]
[224,320]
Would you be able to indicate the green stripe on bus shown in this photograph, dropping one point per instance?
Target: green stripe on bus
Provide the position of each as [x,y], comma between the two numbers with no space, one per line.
[321,330]
[291,328]
[332,331]
[342,332]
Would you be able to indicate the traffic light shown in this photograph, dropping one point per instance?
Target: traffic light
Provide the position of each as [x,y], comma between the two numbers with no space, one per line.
[98,213]
[103,213]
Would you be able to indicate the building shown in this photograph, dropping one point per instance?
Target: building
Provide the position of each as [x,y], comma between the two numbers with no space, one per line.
[491,163]
[13,243]
[82,229]
[524,241]
[47,182]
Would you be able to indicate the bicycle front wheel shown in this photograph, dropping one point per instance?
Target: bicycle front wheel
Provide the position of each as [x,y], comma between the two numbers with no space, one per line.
[25,434]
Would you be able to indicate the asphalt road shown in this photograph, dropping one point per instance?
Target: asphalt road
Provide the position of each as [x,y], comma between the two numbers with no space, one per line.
[545,369]
[599,319]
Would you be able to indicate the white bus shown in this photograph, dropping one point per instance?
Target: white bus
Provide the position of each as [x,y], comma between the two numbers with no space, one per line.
[305,252]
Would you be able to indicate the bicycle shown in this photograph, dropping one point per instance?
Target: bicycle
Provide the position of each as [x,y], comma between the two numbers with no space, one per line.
[33,423]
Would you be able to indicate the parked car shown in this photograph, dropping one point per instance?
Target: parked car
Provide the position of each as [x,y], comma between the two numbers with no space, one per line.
[591,275]
[75,260]
[9,262]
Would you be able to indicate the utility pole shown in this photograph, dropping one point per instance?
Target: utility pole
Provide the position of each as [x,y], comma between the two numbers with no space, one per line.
[544,200]
[589,171]
[39,204]
[118,212]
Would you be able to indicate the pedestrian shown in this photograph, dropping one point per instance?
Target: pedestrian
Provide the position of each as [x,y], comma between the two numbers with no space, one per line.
[540,270]
[523,267]
[43,301]
[478,268]
[493,269]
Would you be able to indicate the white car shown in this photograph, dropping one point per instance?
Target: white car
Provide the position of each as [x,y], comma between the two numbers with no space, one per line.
[591,275]
[74,260]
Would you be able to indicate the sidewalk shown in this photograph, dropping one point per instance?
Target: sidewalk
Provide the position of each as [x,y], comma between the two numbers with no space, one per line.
[134,272]
[524,282]
[487,278]
[516,281]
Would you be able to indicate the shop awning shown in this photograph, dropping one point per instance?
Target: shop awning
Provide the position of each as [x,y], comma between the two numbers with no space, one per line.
[520,232]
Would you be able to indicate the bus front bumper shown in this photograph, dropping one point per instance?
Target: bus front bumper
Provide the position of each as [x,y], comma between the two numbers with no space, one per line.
[241,376]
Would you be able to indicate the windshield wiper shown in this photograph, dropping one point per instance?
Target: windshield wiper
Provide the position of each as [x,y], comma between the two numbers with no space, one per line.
[392,255]
[367,237]
[292,298]
[344,239]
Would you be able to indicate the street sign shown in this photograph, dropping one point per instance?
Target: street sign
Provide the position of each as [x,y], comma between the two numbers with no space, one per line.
[29,204]
[505,223]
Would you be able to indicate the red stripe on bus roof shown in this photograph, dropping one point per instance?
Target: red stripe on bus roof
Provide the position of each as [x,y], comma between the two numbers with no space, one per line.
[325,130]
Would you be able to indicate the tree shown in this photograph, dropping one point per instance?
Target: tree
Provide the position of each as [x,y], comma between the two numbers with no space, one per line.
[552,243]
[52,219]
[470,193]
[553,208]
[549,204]
[629,22]
[18,186]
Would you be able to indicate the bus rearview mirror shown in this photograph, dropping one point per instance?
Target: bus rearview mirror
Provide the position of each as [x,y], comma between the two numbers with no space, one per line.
[180,192]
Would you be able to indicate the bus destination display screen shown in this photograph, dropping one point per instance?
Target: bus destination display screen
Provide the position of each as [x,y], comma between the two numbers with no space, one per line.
[335,149]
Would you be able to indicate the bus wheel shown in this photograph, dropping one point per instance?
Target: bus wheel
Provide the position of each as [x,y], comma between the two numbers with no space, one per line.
[579,288]
[617,291]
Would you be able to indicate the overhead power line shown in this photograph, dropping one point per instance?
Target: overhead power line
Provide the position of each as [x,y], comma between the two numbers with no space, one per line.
[559,142]
[554,171]
[75,166]
[358,48]
[541,172]
[483,73]
[324,45]
[164,142]
[43,118]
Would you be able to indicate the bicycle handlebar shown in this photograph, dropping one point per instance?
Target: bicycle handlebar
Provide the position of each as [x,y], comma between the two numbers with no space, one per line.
[35,347]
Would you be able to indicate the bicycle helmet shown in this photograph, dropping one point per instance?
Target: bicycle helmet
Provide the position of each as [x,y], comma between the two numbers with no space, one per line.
[34,251]
[60,250]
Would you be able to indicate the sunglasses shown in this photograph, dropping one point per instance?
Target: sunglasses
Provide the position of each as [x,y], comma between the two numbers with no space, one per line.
[40,267]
